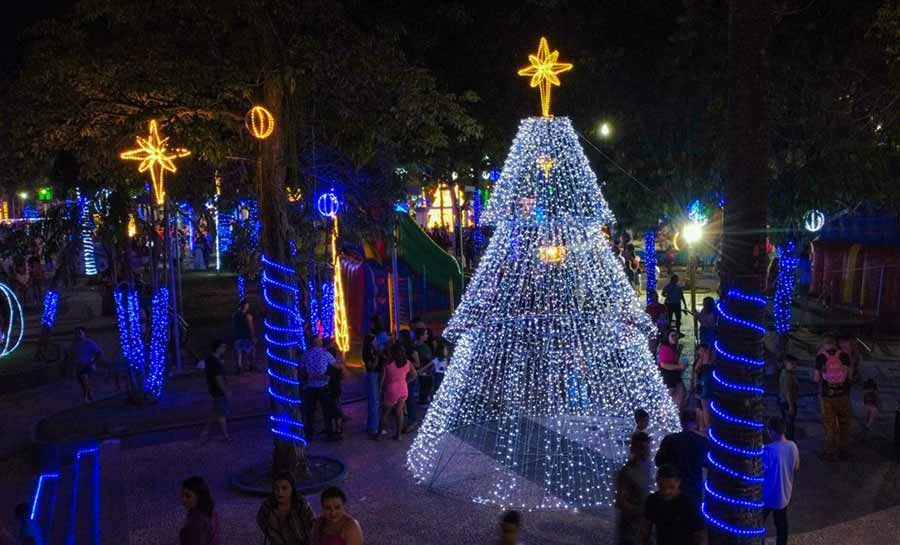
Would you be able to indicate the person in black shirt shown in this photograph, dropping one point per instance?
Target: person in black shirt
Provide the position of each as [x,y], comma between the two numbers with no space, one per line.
[215,383]
[675,518]
[686,450]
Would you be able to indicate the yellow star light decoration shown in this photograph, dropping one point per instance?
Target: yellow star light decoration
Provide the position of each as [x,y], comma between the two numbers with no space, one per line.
[154,154]
[546,164]
[543,71]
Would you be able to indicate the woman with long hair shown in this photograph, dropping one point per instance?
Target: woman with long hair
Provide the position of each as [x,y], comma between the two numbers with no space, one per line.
[671,367]
[285,517]
[708,320]
[201,527]
[335,526]
[397,374]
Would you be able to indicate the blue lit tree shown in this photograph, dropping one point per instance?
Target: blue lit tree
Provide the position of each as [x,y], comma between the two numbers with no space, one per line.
[550,345]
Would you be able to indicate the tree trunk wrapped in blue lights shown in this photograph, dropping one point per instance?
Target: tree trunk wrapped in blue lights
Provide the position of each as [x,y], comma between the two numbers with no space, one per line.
[550,341]
[784,287]
[650,261]
[147,365]
[283,334]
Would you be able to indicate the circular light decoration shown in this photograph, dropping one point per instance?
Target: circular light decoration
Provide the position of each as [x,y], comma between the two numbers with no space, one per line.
[15,323]
[328,204]
[813,220]
[260,122]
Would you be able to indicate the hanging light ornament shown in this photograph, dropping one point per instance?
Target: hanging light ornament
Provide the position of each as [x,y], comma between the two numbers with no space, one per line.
[154,154]
[260,122]
[328,204]
[813,220]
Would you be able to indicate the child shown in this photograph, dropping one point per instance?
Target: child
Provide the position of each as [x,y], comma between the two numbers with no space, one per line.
[632,488]
[641,421]
[440,367]
[510,526]
[674,517]
[788,393]
[335,374]
[872,404]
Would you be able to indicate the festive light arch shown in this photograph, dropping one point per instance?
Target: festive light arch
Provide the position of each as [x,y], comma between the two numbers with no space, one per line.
[154,154]
[260,122]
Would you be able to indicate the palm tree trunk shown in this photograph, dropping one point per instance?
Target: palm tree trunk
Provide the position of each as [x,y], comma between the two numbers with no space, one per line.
[734,444]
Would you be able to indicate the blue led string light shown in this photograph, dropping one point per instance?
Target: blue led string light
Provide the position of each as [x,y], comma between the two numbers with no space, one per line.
[283,333]
[650,262]
[327,310]
[784,287]
[313,307]
[159,342]
[51,301]
[722,416]
[240,287]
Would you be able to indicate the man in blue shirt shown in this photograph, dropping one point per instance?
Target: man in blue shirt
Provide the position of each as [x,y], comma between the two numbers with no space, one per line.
[780,462]
[674,295]
[314,370]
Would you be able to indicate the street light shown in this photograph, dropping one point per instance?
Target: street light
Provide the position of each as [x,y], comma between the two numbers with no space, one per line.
[23,195]
[605,130]
[692,233]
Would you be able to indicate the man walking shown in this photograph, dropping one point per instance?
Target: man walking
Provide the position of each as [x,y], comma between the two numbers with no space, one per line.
[244,337]
[373,358]
[834,374]
[215,384]
[314,370]
[780,461]
[86,354]
[674,295]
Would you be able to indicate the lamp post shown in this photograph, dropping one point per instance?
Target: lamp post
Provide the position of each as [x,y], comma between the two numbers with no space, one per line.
[692,233]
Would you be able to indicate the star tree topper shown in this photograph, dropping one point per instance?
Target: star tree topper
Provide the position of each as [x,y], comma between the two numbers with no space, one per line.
[543,71]
[154,154]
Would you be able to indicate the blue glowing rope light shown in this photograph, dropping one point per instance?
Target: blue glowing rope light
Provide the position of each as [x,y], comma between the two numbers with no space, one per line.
[650,262]
[51,301]
[284,399]
[736,357]
[37,492]
[280,378]
[711,492]
[240,287]
[731,448]
[283,328]
[736,474]
[784,287]
[728,527]
[733,419]
[736,387]
[159,342]
[327,309]
[720,416]
[738,294]
[74,507]
[734,319]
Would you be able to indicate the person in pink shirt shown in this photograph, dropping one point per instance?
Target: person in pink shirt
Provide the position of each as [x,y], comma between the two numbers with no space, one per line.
[398,373]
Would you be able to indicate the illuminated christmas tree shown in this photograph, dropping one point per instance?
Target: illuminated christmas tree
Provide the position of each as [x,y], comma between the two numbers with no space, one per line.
[550,342]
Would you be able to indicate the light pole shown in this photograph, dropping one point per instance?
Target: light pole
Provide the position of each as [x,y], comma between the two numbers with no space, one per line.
[692,233]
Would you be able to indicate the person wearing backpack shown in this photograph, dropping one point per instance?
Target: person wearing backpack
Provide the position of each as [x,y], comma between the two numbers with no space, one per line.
[834,373]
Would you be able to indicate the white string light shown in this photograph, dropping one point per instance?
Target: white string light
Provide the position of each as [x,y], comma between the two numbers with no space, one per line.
[551,357]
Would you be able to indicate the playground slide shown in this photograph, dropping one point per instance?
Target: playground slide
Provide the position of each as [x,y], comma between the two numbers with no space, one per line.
[426,258]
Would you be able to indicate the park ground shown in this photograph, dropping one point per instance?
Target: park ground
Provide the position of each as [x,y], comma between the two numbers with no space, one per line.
[849,502]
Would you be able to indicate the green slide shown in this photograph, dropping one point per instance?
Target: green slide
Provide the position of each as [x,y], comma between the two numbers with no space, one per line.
[425,257]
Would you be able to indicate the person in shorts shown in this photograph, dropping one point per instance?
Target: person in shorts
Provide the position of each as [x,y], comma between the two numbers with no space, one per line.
[85,353]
